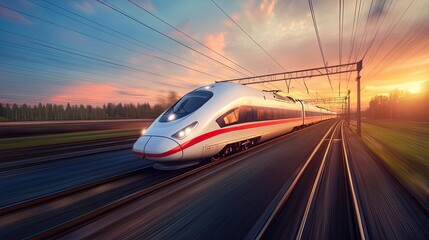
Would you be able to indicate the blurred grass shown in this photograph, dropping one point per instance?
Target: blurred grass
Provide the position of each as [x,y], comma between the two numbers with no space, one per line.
[404,147]
[52,139]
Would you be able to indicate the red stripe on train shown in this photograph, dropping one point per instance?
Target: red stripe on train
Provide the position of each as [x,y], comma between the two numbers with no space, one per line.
[215,133]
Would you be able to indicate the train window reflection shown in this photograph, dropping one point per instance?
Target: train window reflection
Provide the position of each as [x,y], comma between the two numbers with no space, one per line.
[186,105]
[244,114]
[231,117]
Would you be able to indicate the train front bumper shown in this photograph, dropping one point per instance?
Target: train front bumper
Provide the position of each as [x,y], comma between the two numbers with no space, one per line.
[158,149]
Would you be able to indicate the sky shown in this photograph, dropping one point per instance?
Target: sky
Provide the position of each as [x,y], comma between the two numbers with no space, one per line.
[94,52]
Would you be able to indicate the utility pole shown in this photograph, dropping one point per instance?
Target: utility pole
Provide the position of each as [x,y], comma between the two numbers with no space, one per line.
[358,128]
[348,107]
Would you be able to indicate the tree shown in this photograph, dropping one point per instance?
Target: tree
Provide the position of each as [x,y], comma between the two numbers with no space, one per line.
[2,111]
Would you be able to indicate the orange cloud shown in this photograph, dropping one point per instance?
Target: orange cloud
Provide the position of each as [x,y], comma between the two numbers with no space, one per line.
[98,94]
[229,23]
[267,6]
[216,41]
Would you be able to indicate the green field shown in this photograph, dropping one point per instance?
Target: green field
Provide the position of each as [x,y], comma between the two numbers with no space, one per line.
[52,139]
[404,147]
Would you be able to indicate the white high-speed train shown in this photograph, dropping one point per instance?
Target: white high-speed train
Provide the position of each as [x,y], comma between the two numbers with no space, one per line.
[217,120]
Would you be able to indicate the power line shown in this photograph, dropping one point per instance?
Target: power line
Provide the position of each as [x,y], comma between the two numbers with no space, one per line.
[355,29]
[113,7]
[68,65]
[318,40]
[389,31]
[112,43]
[190,37]
[340,38]
[97,58]
[249,36]
[143,44]
[129,49]
[378,29]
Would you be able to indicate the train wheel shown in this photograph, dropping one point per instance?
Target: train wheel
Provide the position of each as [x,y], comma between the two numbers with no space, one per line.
[216,157]
[245,145]
[229,149]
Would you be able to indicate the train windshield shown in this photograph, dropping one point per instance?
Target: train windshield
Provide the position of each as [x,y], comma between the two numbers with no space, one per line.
[186,105]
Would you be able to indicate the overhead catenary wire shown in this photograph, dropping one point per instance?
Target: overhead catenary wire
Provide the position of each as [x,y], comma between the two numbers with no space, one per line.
[113,7]
[112,43]
[235,22]
[254,41]
[389,31]
[136,41]
[340,38]
[377,30]
[111,62]
[319,41]
[67,66]
[192,38]
[355,27]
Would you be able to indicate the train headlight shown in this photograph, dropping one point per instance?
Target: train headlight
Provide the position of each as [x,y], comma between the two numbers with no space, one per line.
[143,132]
[171,117]
[184,132]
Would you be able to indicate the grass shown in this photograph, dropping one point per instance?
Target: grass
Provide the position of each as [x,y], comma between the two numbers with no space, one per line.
[37,141]
[404,147]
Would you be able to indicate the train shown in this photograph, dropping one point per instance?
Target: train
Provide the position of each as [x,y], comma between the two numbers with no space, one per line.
[214,121]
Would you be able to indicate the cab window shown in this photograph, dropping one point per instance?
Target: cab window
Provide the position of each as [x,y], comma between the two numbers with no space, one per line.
[186,105]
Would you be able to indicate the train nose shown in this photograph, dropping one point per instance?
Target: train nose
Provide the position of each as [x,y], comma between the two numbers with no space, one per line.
[159,149]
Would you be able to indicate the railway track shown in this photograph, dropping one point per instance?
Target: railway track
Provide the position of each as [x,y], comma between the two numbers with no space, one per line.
[66,225]
[30,157]
[64,193]
[24,219]
[279,219]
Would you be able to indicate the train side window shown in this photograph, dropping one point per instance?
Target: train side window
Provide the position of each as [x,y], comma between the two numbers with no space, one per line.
[254,114]
[260,112]
[268,114]
[276,113]
[232,117]
[284,114]
[245,114]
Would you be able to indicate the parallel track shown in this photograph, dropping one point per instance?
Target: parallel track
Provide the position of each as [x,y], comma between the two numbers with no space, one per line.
[262,229]
[64,193]
[63,153]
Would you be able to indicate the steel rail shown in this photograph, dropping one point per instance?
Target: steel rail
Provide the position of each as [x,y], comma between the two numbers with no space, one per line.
[262,231]
[352,189]
[315,186]
[121,144]
[13,208]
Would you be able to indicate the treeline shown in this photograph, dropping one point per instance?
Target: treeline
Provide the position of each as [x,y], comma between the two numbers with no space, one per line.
[399,105]
[49,111]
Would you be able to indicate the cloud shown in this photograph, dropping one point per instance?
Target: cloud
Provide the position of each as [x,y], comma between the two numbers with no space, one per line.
[129,93]
[14,16]
[215,41]
[259,11]
[267,6]
[229,23]
[84,6]
[98,94]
